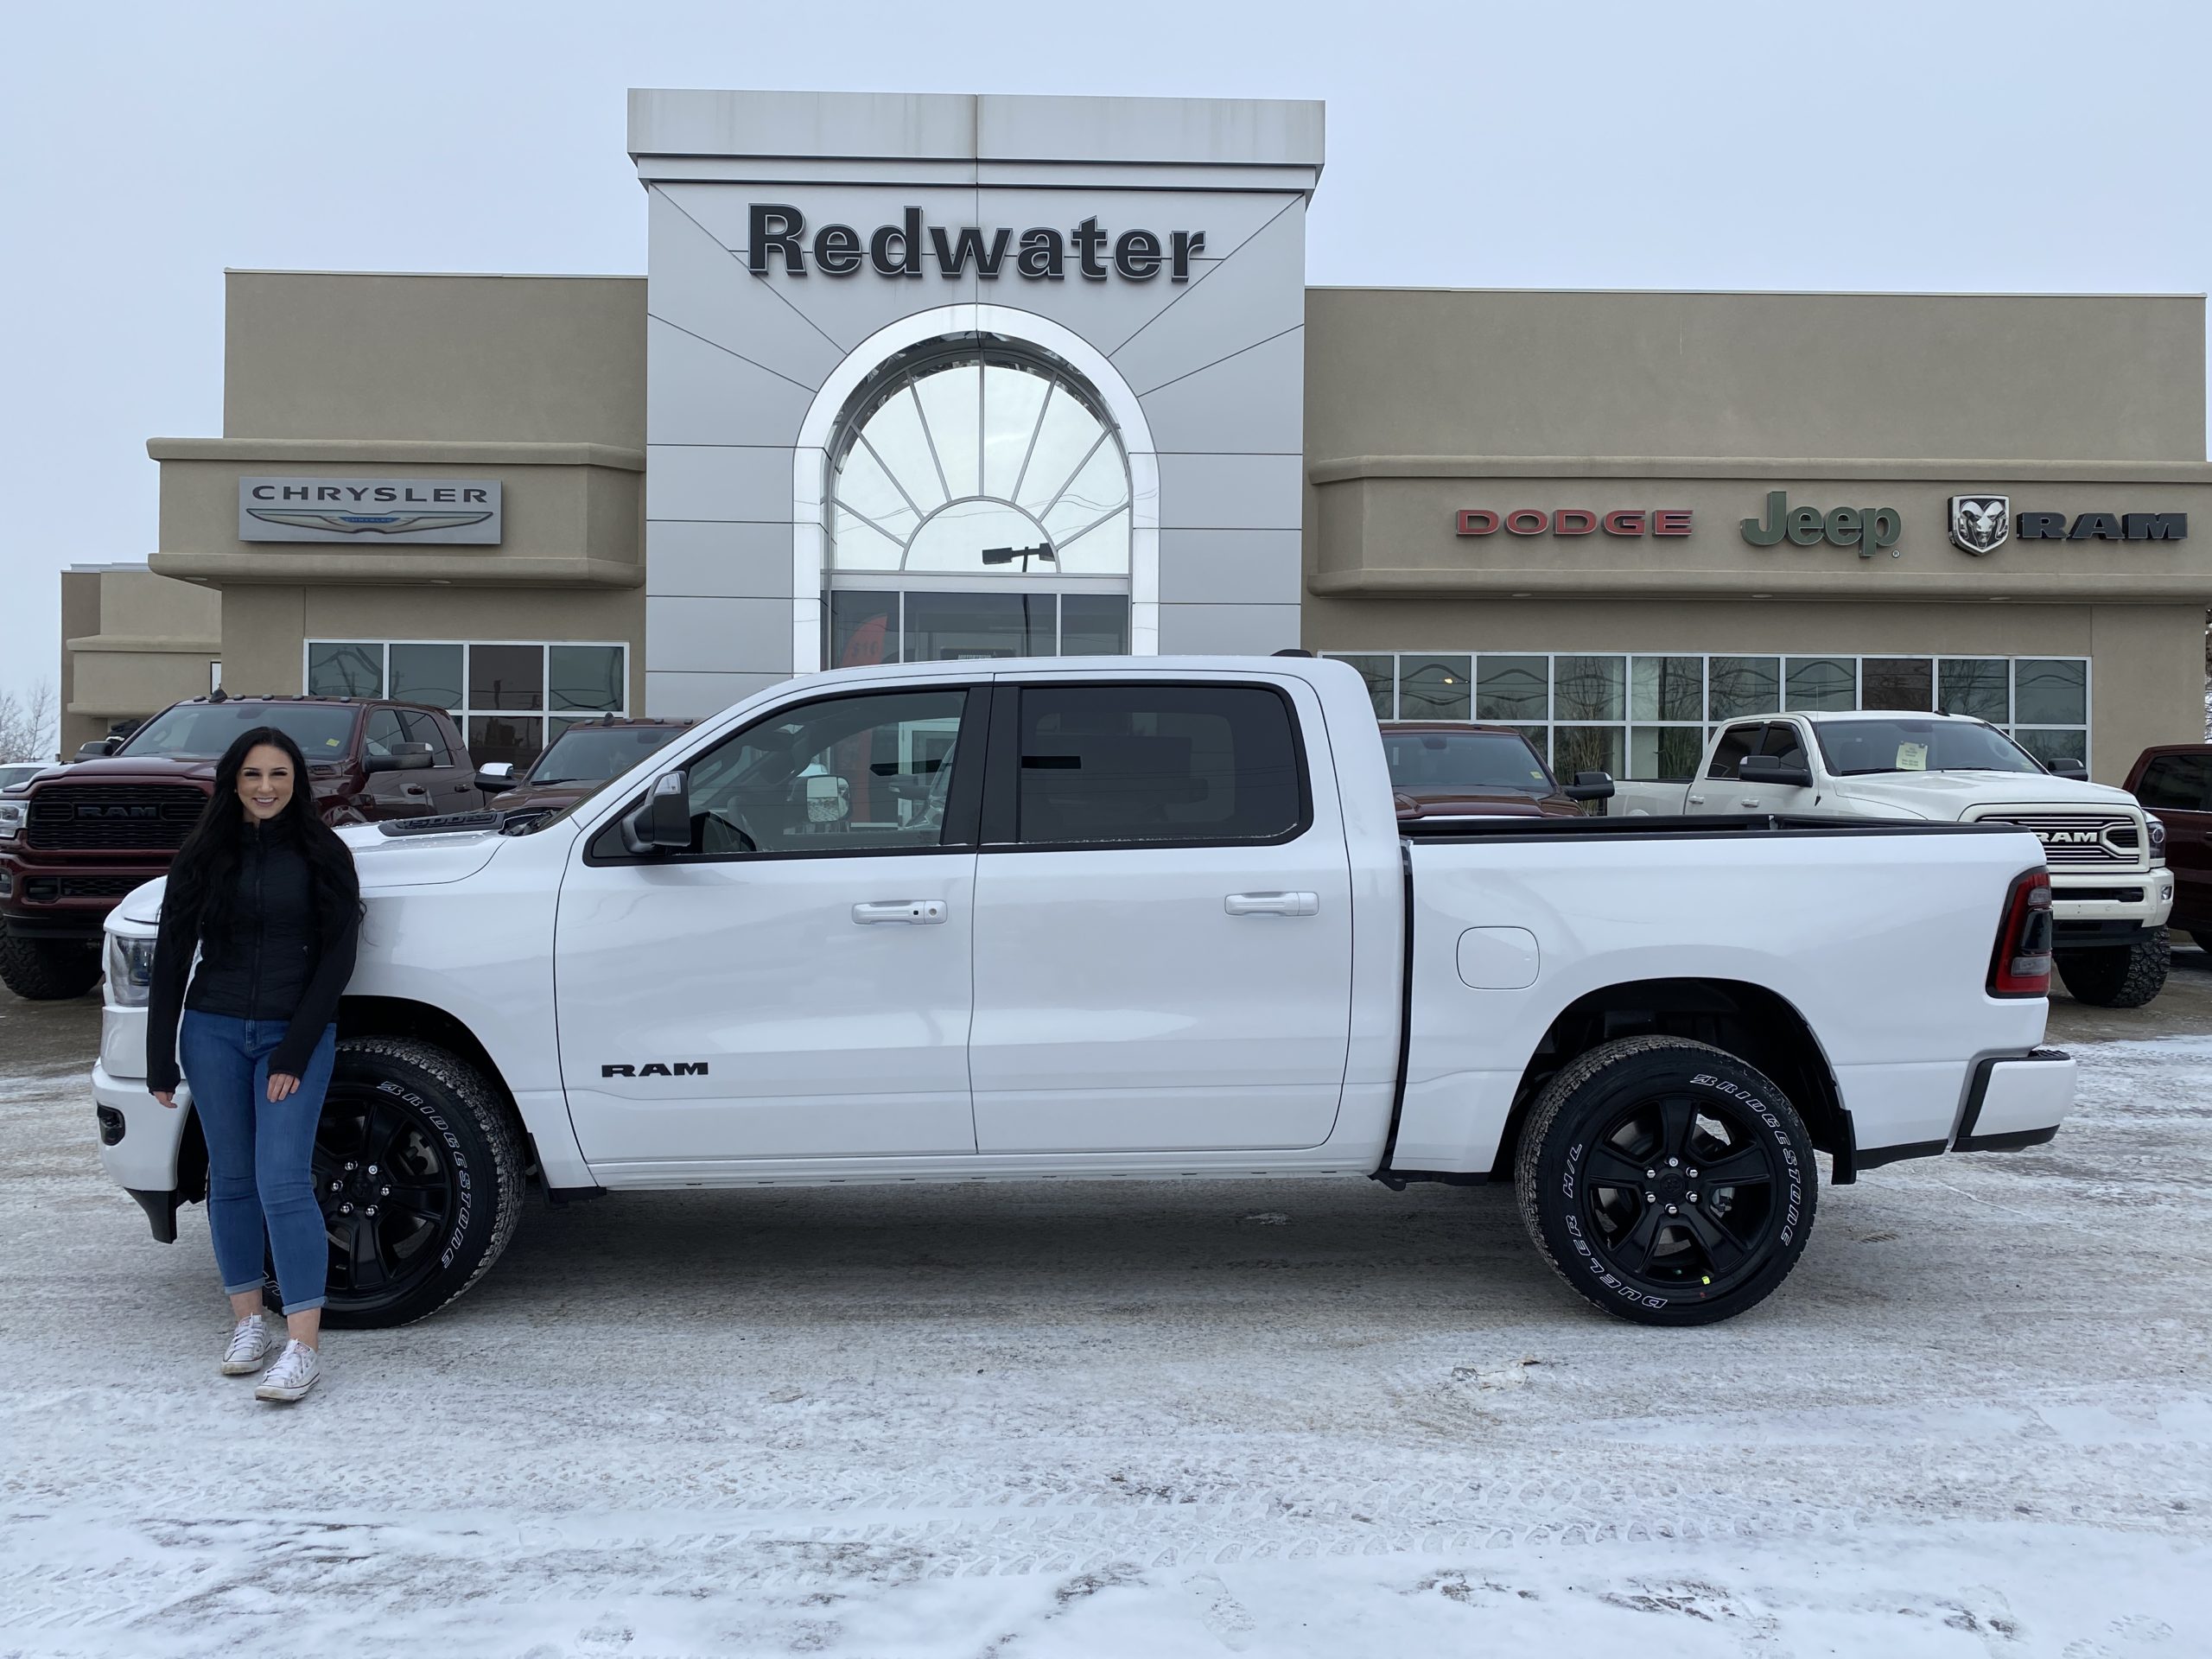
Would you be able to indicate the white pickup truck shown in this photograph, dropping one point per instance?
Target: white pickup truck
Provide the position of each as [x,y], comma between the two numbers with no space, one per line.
[2110,889]
[1139,919]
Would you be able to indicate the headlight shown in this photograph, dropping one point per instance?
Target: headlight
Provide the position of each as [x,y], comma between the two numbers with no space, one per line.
[2157,834]
[129,970]
[11,819]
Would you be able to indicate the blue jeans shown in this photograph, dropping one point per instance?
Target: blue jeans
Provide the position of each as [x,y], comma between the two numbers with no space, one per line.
[260,1182]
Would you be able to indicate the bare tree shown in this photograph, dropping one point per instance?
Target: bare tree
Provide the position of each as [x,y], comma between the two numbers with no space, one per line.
[27,724]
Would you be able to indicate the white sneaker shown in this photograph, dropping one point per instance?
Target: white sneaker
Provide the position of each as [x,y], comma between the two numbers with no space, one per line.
[293,1374]
[250,1343]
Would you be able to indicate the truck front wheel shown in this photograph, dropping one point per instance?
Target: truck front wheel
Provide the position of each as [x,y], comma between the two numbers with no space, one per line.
[46,970]
[418,1170]
[1667,1181]
[2124,977]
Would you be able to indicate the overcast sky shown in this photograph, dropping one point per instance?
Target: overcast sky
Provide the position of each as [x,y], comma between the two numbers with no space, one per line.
[2010,146]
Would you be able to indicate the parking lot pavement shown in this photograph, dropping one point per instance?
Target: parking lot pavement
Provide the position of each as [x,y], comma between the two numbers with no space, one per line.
[1264,1417]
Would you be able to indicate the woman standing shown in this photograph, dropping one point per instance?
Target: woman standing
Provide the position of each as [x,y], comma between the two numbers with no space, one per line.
[266,892]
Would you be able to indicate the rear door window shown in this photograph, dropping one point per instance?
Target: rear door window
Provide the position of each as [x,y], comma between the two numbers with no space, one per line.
[2177,783]
[1102,764]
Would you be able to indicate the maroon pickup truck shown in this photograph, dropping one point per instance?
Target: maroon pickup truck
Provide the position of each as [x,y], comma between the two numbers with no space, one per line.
[76,838]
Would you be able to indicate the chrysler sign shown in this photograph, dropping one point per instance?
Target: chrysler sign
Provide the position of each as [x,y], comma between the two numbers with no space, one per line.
[370,512]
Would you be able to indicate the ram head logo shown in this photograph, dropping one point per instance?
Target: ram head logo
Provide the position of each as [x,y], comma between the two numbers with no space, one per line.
[1980,524]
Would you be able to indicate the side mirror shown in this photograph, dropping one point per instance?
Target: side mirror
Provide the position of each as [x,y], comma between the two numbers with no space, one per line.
[499,775]
[2068,766]
[98,749]
[402,757]
[1770,769]
[662,824]
[1590,787]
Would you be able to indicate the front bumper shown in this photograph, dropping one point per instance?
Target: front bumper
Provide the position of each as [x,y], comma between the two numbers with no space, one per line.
[142,1155]
[57,898]
[2090,905]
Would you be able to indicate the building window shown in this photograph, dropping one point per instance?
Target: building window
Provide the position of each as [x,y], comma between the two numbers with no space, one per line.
[1649,717]
[979,506]
[510,698]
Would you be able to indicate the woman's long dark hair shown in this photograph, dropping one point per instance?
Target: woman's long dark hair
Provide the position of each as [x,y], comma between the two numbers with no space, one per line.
[203,879]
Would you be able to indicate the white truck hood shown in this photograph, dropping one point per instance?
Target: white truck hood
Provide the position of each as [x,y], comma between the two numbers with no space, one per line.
[1949,796]
[383,861]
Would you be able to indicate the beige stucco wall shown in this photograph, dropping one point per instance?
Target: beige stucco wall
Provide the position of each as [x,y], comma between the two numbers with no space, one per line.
[535,382]
[1436,371]
[1422,403]
[350,354]
[134,642]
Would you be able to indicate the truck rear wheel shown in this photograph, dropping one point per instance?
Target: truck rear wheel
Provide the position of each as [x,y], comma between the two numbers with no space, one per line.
[418,1170]
[1667,1181]
[2122,977]
[46,970]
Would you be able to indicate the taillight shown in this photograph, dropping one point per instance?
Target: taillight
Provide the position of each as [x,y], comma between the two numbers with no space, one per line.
[2021,966]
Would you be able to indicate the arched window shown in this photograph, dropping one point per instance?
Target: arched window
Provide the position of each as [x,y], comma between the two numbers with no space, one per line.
[979,506]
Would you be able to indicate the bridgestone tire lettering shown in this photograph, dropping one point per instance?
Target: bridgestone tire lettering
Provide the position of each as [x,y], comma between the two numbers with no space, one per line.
[1591,1091]
[469,1122]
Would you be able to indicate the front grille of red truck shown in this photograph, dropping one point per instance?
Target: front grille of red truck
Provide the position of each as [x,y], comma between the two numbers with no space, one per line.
[46,889]
[99,817]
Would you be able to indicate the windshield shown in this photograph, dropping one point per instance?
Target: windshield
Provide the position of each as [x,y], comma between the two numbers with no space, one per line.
[1436,760]
[202,731]
[592,754]
[1859,748]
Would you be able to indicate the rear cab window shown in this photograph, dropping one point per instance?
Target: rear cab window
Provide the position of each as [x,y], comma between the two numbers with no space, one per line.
[1146,764]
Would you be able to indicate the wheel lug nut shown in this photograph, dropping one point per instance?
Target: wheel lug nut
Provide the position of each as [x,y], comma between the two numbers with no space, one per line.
[372,1169]
[1693,1197]
[385,1193]
[1672,1210]
[1650,1174]
[371,1210]
[1673,1162]
[345,1209]
[1691,1173]
[1651,1197]
[350,1167]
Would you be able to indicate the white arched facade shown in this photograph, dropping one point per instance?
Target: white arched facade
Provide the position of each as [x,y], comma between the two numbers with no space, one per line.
[812,529]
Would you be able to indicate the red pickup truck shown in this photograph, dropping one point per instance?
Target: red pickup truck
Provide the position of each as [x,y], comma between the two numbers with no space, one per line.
[76,838]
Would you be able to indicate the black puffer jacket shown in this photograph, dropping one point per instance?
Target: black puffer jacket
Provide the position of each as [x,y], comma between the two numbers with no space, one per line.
[279,960]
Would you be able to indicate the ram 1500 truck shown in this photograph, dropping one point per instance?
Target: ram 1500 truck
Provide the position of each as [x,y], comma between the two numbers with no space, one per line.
[1137,919]
[2111,891]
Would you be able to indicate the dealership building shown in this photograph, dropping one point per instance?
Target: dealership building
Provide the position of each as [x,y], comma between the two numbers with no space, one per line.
[932,377]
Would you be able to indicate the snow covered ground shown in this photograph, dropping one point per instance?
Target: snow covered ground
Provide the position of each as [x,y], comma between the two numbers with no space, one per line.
[1272,1419]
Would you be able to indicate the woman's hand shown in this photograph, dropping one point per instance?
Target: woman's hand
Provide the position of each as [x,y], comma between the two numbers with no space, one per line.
[166,1097]
[281,1083]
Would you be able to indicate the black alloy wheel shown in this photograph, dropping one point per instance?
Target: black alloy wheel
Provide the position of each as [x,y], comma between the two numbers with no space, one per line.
[387,1193]
[1666,1180]
[417,1168]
